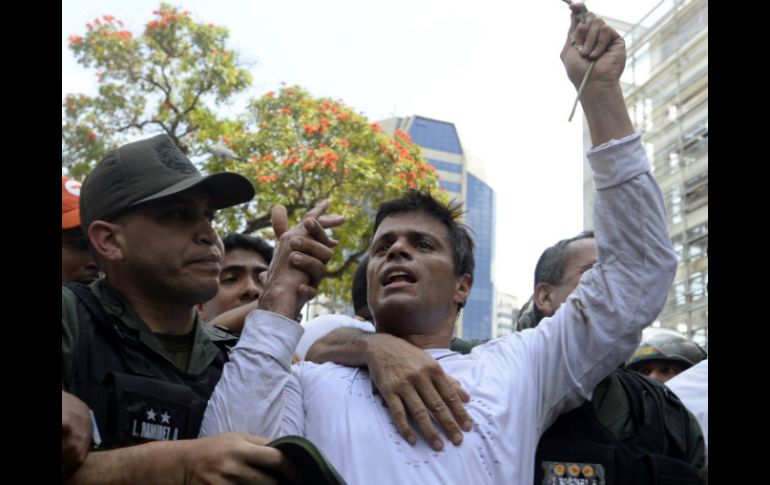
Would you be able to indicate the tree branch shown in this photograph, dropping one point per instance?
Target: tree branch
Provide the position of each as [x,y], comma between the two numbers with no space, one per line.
[197,96]
[264,221]
[141,125]
[159,86]
[339,272]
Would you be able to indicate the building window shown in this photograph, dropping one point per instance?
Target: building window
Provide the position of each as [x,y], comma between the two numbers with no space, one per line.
[436,135]
[446,166]
[673,162]
[666,157]
[648,114]
[450,186]
[695,143]
[697,250]
[696,192]
[674,202]
[673,111]
[697,286]
[680,293]
[698,231]
[677,242]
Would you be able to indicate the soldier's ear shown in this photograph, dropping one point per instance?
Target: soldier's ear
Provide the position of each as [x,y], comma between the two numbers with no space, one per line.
[543,299]
[106,239]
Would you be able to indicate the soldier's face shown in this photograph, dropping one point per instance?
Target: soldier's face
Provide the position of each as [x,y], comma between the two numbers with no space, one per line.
[660,370]
[171,249]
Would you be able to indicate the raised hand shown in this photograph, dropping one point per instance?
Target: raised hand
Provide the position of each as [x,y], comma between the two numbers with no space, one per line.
[592,40]
[299,260]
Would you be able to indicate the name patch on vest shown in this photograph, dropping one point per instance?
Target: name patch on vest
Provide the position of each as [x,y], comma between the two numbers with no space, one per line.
[153,423]
[565,473]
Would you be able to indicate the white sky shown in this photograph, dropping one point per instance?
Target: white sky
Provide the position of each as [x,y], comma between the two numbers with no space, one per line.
[490,67]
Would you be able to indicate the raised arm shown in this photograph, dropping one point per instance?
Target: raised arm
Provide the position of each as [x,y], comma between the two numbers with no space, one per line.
[257,392]
[600,324]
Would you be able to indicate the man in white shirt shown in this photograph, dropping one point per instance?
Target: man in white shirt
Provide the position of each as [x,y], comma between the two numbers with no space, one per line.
[692,388]
[420,275]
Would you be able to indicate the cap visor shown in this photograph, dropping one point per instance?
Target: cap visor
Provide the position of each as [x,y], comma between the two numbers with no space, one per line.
[227,189]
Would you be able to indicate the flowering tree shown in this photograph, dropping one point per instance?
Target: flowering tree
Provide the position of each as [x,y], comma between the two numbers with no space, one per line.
[299,150]
[296,149]
[163,81]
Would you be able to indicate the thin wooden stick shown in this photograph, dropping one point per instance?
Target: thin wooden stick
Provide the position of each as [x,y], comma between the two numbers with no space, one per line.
[582,17]
[580,90]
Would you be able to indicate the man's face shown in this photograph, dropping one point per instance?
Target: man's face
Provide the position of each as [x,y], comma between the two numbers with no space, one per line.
[660,369]
[170,248]
[412,287]
[240,282]
[77,262]
[581,255]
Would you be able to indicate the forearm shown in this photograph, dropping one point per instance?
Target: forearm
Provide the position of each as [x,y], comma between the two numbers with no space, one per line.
[157,463]
[636,263]
[636,254]
[234,319]
[249,396]
[345,346]
[599,325]
[606,112]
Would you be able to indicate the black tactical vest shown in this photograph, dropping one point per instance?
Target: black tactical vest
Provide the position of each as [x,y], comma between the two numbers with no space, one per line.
[578,449]
[136,395]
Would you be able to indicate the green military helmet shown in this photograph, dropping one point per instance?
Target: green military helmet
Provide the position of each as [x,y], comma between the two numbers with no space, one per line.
[667,347]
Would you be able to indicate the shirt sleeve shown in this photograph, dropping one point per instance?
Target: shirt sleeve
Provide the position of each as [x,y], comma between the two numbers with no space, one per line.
[323,324]
[258,392]
[600,324]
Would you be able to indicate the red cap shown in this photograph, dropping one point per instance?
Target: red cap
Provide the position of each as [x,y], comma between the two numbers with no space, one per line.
[70,203]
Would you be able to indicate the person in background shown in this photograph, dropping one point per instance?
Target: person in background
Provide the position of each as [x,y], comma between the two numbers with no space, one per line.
[241,282]
[77,262]
[665,355]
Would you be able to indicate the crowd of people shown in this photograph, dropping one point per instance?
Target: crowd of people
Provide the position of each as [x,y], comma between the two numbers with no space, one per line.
[183,360]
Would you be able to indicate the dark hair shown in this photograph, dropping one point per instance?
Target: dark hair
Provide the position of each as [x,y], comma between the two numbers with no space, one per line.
[550,266]
[460,238]
[358,290]
[249,243]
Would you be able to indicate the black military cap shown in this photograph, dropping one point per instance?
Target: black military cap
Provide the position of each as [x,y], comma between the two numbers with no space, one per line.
[148,170]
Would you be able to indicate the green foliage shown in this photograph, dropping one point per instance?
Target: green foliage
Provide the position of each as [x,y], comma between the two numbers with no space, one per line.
[296,149]
[299,150]
[164,81]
